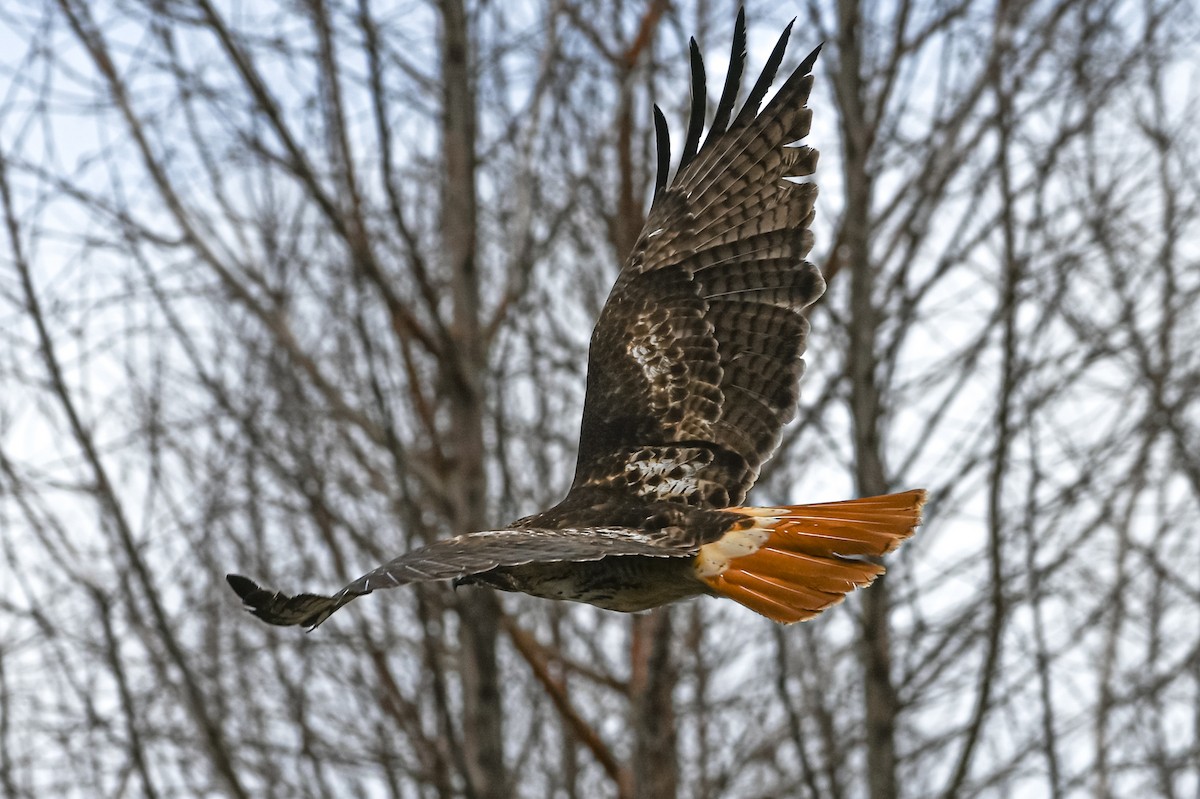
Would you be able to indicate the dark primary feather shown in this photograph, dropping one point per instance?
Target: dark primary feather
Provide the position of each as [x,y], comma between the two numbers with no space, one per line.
[695,360]
[763,84]
[699,103]
[733,81]
[662,141]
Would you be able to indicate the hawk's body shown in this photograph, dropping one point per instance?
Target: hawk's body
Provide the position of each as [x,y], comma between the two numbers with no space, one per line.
[655,576]
[693,370]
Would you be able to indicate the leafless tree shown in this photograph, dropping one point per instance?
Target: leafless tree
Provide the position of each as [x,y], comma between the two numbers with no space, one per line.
[291,288]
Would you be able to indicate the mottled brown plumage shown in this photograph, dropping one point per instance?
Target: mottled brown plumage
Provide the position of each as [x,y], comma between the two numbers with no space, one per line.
[692,372]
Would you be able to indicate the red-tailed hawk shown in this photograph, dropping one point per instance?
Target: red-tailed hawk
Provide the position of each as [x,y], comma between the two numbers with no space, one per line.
[693,370]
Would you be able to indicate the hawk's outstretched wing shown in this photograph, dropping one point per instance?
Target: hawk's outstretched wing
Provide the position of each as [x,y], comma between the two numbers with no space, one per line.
[462,556]
[695,359]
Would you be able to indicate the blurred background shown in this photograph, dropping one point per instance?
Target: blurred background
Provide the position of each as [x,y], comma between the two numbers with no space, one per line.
[287,288]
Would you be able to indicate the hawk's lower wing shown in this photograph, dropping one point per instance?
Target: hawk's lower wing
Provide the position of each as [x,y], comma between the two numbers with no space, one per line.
[463,556]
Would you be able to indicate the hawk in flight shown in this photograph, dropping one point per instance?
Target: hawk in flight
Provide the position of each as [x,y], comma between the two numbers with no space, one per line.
[692,371]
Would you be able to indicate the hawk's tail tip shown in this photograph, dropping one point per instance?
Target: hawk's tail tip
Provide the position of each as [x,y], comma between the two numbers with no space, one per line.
[790,563]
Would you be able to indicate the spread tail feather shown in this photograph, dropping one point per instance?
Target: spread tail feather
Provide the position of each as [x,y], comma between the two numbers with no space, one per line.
[792,562]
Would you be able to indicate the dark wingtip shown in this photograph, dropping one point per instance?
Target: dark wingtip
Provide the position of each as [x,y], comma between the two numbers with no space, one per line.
[662,137]
[308,610]
[763,84]
[699,102]
[810,60]
[244,587]
[733,81]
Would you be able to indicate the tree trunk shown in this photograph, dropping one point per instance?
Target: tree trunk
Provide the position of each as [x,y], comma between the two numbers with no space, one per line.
[462,369]
[654,771]
[866,409]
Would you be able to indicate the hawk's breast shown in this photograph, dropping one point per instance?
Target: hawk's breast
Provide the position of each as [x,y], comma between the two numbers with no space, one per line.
[627,583]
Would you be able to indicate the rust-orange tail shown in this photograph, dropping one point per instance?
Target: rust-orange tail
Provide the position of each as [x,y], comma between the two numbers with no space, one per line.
[790,563]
